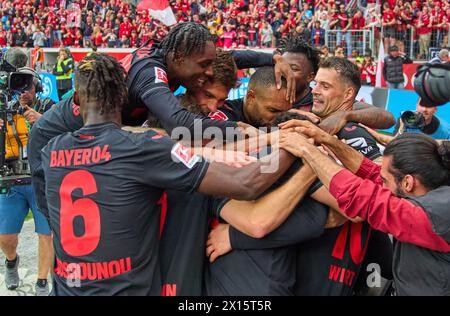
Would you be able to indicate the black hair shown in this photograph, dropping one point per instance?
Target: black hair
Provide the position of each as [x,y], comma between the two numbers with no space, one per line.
[345,68]
[287,116]
[421,156]
[185,39]
[264,77]
[225,69]
[296,44]
[102,78]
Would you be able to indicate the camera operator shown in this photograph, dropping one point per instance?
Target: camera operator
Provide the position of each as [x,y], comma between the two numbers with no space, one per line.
[423,121]
[19,198]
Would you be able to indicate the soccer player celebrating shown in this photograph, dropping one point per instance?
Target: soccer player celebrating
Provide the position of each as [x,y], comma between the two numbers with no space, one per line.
[103,185]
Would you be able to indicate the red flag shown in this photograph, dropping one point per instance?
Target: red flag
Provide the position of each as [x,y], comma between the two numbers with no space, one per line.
[159,9]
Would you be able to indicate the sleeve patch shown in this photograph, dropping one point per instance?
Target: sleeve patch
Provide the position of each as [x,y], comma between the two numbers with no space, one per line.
[160,76]
[184,155]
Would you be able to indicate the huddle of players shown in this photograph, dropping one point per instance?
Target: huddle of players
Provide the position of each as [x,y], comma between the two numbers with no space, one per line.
[131,221]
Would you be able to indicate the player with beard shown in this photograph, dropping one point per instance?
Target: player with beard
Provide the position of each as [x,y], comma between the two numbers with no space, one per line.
[184,57]
[336,262]
[184,222]
[304,61]
[113,250]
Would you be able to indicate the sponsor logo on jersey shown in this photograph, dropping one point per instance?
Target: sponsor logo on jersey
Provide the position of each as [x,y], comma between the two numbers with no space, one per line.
[357,142]
[350,129]
[184,155]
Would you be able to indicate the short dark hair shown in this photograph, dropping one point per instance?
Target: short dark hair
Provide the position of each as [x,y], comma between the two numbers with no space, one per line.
[345,68]
[264,77]
[420,155]
[287,116]
[393,48]
[185,39]
[296,44]
[225,69]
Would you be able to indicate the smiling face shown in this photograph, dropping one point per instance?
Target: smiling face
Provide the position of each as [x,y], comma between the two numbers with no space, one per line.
[329,93]
[194,70]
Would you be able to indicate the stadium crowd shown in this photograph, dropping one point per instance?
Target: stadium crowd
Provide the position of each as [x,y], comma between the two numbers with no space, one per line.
[238,23]
[132,207]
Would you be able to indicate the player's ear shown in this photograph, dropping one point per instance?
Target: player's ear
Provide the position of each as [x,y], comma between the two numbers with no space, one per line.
[250,95]
[349,93]
[76,98]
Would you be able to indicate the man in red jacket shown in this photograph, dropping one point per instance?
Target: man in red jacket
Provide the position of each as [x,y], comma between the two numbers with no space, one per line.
[404,197]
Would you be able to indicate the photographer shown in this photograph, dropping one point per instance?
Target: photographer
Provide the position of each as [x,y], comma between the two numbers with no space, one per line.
[423,121]
[19,198]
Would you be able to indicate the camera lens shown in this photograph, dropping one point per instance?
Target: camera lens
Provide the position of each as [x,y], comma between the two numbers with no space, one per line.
[20,82]
[413,120]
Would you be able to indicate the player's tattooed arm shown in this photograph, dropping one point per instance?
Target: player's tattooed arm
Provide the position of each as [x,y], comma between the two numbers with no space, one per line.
[246,183]
[364,113]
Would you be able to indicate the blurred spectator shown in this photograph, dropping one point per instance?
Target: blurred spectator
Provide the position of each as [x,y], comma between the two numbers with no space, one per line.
[441,58]
[393,68]
[63,70]
[39,58]
[318,34]
[266,35]
[424,22]
[343,25]
[368,71]
[414,26]
[339,52]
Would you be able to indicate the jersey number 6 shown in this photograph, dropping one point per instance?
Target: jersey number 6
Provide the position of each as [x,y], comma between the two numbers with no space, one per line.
[85,208]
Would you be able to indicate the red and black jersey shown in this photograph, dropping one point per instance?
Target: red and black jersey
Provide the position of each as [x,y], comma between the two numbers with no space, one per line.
[306,103]
[337,254]
[149,89]
[104,187]
[60,118]
[329,264]
[184,231]
[232,110]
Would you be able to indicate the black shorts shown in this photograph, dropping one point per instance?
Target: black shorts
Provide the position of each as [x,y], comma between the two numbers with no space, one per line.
[38,181]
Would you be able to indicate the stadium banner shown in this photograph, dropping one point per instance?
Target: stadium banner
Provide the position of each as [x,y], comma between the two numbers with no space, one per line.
[51,54]
[394,101]
[49,86]
[409,72]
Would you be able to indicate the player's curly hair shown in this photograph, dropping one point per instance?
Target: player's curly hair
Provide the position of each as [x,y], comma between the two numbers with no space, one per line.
[225,69]
[185,39]
[295,43]
[102,78]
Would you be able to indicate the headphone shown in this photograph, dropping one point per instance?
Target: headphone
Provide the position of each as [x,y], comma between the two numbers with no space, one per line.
[36,78]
